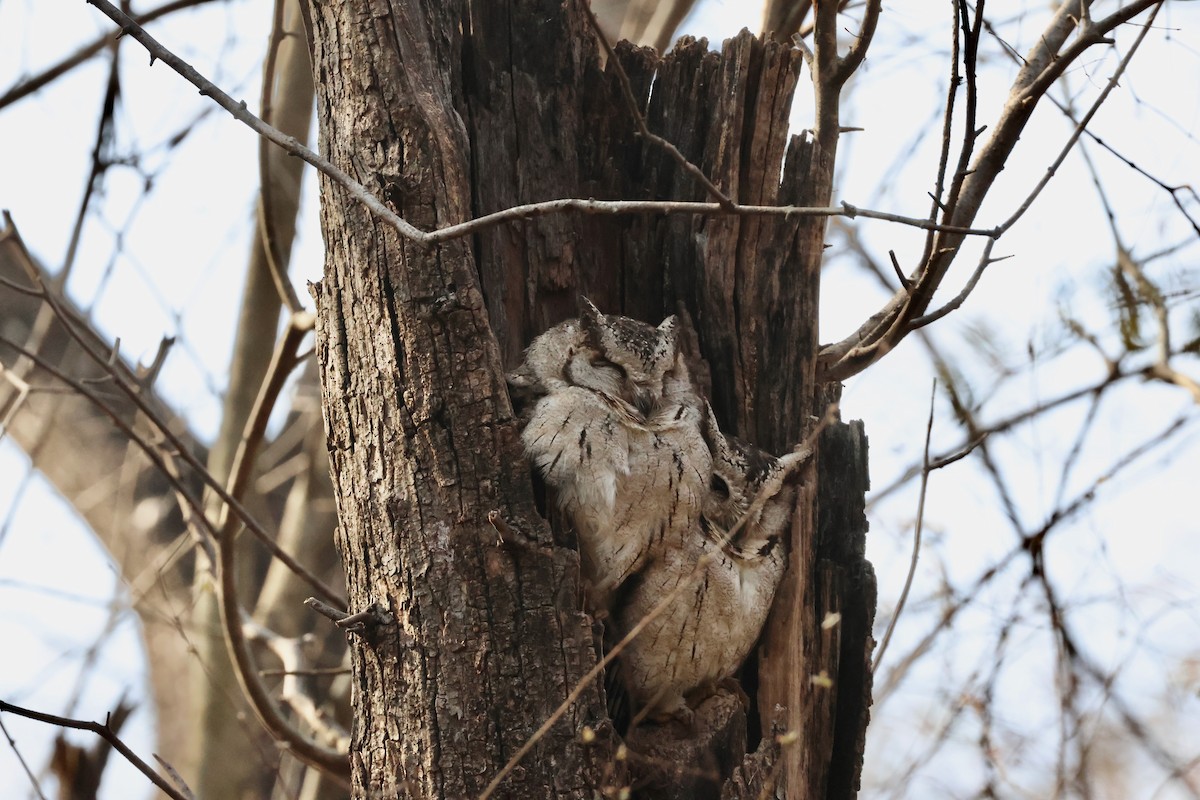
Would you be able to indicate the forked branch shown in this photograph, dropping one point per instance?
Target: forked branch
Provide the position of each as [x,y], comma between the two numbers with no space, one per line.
[1044,64]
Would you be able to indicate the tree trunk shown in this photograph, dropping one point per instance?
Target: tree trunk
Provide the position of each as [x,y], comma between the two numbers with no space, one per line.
[482,643]
[449,110]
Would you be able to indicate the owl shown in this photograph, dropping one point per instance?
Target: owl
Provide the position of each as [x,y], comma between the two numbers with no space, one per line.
[618,357]
[617,435]
[723,580]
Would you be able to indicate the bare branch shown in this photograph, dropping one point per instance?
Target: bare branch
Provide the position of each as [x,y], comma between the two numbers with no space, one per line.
[858,51]
[947,126]
[266,207]
[100,160]
[290,653]
[1043,66]
[283,362]
[926,468]
[428,239]
[1147,292]
[174,775]
[241,113]
[615,207]
[1087,118]
[330,760]
[12,744]
[178,446]
[1173,190]
[105,732]
[985,261]
[30,85]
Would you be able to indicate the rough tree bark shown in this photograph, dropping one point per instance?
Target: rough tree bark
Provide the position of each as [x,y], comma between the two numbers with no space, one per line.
[453,109]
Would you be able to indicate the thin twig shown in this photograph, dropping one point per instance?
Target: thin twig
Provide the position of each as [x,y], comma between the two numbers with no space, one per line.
[916,549]
[32,84]
[808,445]
[290,652]
[317,755]
[283,361]
[1044,65]
[269,241]
[858,51]
[310,672]
[428,239]
[615,207]
[241,113]
[174,775]
[956,302]
[326,610]
[595,672]
[103,143]
[1087,118]
[12,744]
[178,446]
[1147,291]
[947,132]
[103,731]
[131,391]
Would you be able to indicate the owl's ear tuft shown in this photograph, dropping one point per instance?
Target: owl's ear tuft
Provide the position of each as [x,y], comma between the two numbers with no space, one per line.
[590,319]
[588,310]
[668,330]
[710,430]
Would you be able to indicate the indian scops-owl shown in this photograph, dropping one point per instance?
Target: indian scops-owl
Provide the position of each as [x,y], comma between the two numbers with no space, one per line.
[723,578]
[618,436]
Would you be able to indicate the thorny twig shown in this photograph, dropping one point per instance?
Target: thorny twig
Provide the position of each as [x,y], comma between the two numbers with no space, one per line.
[431,238]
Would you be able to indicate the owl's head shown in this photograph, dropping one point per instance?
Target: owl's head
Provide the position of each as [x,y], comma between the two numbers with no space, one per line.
[748,498]
[625,358]
[546,360]
[739,470]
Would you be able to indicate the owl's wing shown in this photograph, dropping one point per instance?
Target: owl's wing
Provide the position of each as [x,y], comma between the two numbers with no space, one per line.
[578,443]
[783,469]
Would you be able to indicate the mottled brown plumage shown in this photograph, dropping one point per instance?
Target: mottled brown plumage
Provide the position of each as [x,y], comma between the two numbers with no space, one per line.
[722,581]
[617,436]
[662,502]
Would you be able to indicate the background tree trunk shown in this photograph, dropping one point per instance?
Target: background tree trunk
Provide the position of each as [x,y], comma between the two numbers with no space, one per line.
[452,110]
[124,499]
